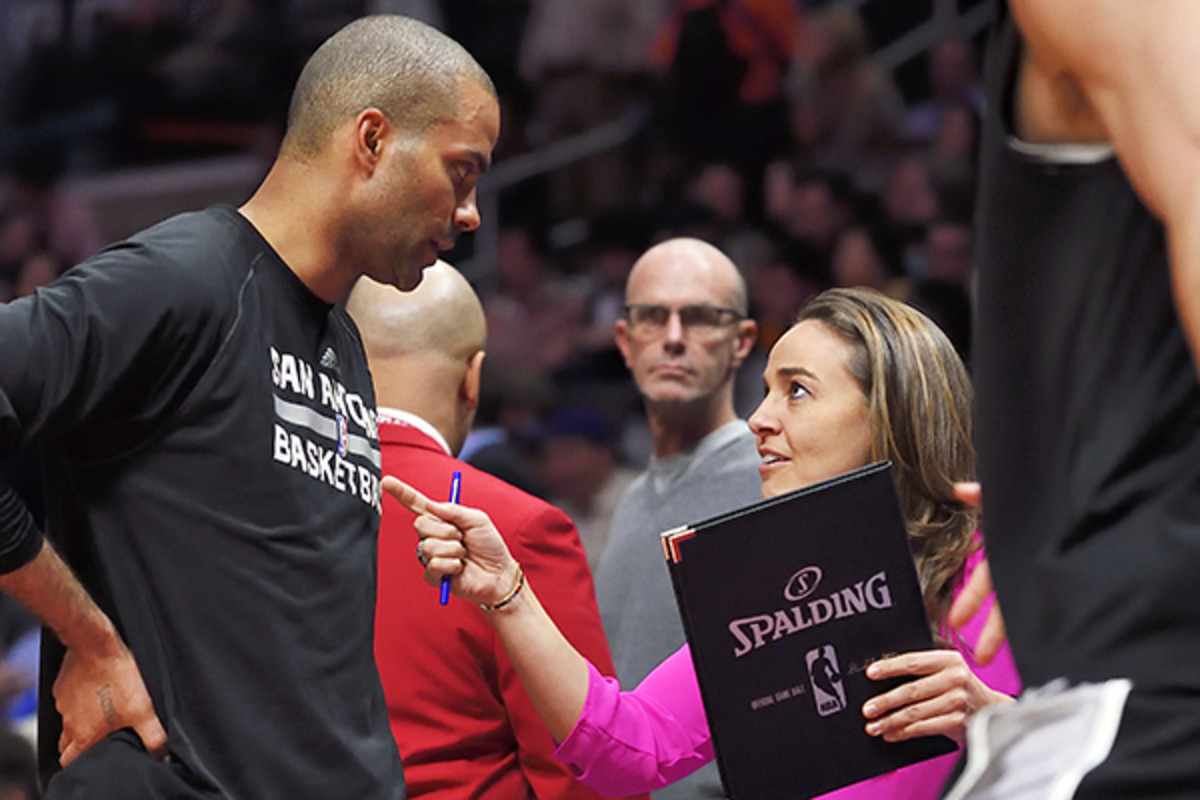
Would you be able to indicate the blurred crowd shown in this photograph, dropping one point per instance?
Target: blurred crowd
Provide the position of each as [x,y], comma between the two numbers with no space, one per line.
[763,126]
[770,131]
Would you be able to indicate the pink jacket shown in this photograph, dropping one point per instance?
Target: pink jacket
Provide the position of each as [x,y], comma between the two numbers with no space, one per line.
[644,739]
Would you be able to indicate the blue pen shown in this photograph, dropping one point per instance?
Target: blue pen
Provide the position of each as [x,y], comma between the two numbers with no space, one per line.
[455,489]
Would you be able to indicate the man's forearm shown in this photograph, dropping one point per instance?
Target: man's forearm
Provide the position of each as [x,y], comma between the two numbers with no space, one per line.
[47,587]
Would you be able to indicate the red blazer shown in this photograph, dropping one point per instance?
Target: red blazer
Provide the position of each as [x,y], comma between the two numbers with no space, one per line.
[462,720]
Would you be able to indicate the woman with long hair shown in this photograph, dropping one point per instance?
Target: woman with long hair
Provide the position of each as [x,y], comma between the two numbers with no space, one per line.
[857,379]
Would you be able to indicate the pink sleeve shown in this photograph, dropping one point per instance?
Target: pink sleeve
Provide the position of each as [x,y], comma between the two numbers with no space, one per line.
[637,741]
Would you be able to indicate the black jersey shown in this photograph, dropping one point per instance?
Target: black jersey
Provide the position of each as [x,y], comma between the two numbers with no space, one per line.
[212,467]
[1089,411]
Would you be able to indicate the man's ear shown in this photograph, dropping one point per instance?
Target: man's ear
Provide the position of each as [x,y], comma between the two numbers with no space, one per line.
[471,379]
[621,334]
[371,129]
[743,343]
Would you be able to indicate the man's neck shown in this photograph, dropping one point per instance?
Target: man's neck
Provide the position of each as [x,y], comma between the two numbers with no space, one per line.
[439,417]
[402,417]
[302,234]
[677,430]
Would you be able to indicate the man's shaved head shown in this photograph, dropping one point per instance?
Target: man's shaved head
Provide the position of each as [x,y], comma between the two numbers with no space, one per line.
[441,317]
[408,70]
[685,376]
[424,347]
[691,258]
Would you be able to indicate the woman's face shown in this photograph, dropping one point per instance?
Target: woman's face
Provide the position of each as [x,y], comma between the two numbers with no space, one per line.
[813,423]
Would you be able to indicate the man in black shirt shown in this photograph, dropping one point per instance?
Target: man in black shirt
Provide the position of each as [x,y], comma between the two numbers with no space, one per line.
[1088,332]
[206,420]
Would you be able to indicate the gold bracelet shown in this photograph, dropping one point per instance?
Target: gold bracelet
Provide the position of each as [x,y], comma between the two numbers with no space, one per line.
[508,598]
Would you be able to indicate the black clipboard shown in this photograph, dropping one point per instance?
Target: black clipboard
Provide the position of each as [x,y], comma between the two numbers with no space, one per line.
[785,602]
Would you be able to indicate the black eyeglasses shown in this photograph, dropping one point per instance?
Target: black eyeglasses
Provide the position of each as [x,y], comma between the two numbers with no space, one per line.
[649,319]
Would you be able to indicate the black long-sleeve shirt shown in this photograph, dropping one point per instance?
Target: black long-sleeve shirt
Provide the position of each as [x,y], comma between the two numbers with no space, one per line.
[1089,415]
[212,465]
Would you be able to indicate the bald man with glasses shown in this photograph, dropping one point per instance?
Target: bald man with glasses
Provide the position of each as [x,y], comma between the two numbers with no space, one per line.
[684,333]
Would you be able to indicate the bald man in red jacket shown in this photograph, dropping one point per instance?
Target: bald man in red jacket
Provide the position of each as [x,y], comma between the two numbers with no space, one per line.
[462,720]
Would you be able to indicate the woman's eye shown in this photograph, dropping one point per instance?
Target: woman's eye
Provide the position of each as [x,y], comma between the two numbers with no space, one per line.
[796,390]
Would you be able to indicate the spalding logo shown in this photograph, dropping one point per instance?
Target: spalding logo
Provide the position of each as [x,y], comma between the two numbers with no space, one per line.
[802,584]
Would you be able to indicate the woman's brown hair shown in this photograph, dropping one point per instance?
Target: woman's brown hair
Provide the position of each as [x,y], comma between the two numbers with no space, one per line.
[920,401]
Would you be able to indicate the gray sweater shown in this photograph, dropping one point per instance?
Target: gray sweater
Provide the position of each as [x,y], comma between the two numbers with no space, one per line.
[637,603]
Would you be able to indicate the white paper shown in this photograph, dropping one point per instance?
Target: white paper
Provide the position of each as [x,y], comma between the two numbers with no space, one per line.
[1042,746]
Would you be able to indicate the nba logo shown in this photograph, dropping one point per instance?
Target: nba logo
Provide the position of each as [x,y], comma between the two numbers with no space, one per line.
[826,680]
[342,433]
